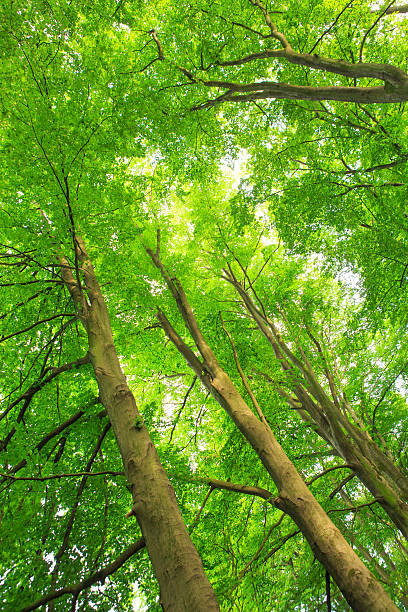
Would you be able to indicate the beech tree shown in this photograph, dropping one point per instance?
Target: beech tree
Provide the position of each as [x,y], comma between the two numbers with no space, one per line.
[201,363]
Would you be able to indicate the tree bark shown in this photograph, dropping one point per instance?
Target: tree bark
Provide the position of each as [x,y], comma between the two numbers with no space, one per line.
[176,563]
[362,591]
[238,92]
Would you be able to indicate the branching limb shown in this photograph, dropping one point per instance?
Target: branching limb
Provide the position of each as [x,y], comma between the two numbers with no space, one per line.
[327,371]
[230,486]
[180,345]
[395,80]
[197,516]
[186,312]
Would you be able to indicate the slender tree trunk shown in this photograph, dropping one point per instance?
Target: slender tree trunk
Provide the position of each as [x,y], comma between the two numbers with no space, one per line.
[372,466]
[176,563]
[362,591]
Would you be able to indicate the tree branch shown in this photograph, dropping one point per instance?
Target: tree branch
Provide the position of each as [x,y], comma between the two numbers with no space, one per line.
[71,519]
[243,377]
[353,508]
[395,79]
[31,391]
[58,476]
[230,486]
[279,91]
[176,420]
[360,55]
[99,576]
[330,469]
[23,331]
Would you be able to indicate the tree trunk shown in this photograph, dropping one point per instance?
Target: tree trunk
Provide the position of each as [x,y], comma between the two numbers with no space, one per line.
[372,466]
[362,591]
[176,563]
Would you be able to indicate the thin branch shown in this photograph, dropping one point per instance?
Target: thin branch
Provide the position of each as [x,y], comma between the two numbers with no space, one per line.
[241,25]
[328,595]
[86,142]
[55,432]
[37,386]
[384,393]
[197,516]
[360,55]
[72,516]
[243,377]
[98,577]
[23,331]
[32,282]
[267,556]
[58,476]
[230,486]
[330,27]
[183,405]
[353,508]
[330,469]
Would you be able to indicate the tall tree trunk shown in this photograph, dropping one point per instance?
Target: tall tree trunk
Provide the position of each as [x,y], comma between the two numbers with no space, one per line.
[362,591]
[372,466]
[176,563]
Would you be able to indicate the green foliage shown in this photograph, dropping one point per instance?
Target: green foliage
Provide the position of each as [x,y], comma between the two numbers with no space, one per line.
[99,140]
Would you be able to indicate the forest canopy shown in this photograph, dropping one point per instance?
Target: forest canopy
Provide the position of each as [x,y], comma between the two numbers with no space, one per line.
[203,321]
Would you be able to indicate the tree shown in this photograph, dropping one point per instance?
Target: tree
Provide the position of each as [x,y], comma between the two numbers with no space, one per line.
[78,179]
[293,496]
